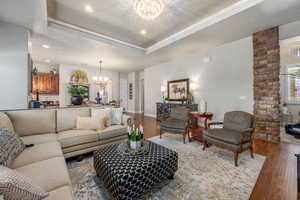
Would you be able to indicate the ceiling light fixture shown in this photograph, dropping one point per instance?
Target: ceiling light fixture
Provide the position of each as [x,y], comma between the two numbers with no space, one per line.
[100,80]
[45,46]
[149,9]
[143,32]
[88,9]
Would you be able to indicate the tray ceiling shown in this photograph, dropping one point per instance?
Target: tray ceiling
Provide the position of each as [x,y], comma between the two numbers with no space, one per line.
[118,18]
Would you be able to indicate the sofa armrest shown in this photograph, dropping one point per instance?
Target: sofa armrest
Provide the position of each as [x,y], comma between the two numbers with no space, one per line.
[127,120]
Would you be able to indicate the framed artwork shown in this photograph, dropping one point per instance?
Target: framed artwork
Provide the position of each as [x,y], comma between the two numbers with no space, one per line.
[178,89]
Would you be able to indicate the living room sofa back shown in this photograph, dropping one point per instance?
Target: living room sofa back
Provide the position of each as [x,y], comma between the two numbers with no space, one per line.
[66,117]
[59,125]
[33,122]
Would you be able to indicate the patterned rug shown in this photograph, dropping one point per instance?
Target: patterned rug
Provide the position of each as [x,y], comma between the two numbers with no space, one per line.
[202,175]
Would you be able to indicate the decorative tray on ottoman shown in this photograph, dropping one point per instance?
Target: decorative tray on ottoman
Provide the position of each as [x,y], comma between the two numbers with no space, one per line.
[124,149]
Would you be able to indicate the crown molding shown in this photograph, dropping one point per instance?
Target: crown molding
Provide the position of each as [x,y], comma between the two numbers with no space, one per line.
[227,12]
[91,34]
[289,40]
[204,23]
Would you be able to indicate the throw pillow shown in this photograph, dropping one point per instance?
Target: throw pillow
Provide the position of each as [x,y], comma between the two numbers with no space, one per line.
[98,113]
[5,122]
[15,186]
[116,116]
[10,147]
[87,123]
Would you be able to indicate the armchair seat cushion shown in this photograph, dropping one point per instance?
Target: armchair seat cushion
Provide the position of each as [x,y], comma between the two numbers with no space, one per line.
[173,124]
[226,135]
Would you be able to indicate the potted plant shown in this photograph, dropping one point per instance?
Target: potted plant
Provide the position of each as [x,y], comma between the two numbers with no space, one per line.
[136,137]
[167,99]
[77,94]
[184,99]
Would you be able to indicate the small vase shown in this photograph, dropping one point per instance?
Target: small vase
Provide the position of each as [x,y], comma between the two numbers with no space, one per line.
[135,144]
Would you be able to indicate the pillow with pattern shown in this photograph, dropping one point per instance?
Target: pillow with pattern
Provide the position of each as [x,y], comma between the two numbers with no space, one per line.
[5,122]
[14,185]
[10,147]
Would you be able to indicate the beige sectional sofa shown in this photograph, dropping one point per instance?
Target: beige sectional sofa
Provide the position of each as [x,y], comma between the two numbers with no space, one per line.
[53,133]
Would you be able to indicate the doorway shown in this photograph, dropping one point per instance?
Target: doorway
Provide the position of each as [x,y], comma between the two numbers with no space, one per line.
[124,93]
[142,95]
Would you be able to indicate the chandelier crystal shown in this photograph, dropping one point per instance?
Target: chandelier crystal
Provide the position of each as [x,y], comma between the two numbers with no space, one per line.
[149,9]
[100,80]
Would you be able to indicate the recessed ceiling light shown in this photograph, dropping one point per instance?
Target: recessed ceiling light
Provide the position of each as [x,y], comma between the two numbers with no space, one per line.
[45,46]
[88,9]
[143,32]
[47,61]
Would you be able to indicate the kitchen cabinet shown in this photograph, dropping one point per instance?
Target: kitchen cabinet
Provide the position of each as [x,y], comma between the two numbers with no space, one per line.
[45,83]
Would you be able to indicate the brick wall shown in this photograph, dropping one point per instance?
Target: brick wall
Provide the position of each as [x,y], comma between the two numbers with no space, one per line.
[266,71]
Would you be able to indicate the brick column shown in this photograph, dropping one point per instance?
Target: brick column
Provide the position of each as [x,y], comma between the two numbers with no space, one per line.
[266,71]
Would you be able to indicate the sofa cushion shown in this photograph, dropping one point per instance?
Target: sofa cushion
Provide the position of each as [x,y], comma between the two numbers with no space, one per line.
[38,152]
[48,174]
[81,152]
[91,123]
[116,116]
[15,186]
[10,147]
[5,122]
[62,193]
[114,140]
[75,137]
[225,135]
[66,118]
[102,112]
[23,121]
[112,131]
[40,139]
[80,147]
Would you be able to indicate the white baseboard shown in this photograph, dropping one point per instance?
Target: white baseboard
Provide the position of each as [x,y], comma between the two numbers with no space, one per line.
[150,115]
[134,112]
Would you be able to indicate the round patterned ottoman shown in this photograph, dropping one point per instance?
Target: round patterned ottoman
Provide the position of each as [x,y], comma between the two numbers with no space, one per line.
[127,177]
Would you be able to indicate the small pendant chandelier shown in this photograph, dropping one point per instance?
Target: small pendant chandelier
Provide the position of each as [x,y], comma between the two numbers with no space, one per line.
[100,80]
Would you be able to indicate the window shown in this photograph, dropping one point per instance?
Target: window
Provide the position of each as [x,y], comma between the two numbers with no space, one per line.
[293,79]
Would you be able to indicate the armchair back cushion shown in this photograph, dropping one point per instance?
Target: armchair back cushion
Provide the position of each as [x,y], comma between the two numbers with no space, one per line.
[179,113]
[67,117]
[33,122]
[237,120]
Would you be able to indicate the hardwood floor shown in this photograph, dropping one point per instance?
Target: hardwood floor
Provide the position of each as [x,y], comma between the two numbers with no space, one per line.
[278,178]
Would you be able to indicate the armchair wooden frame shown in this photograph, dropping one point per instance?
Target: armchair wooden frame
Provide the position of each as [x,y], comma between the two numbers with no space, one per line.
[187,129]
[240,150]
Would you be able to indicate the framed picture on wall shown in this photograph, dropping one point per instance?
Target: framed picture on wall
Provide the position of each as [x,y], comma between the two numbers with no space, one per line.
[178,89]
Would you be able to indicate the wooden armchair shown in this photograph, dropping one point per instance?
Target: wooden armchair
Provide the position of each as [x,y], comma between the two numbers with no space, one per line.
[177,122]
[236,134]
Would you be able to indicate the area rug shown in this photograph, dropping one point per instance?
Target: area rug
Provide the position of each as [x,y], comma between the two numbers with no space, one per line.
[202,175]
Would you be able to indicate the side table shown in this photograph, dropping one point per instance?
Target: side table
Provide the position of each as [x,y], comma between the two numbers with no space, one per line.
[197,132]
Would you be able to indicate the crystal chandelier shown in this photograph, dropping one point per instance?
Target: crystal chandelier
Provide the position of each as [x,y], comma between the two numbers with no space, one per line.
[100,80]
[149,9]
